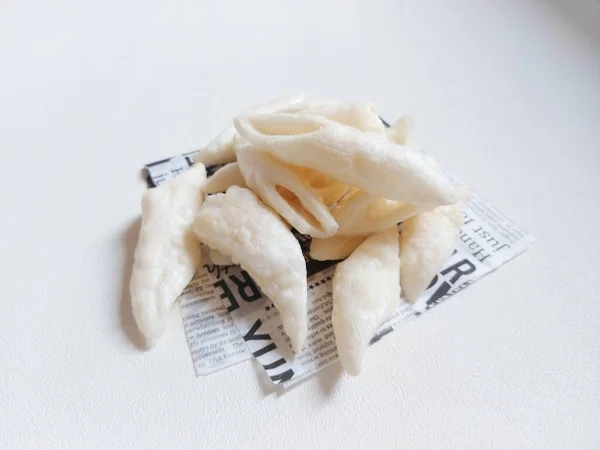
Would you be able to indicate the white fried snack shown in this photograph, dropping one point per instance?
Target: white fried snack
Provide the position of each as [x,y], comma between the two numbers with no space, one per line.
[221,150]
[402,131]
[334,247]
[167,253]
[364,160]
[227,176]
[427,241]
[360,214]
[238,224]
[366,290]
[218,258]
[288,191]
[362,116]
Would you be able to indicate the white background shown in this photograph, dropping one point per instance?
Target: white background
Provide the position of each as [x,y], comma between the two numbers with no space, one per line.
[506,94]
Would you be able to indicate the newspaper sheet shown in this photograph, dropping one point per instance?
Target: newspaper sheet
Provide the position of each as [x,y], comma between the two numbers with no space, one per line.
[227,318]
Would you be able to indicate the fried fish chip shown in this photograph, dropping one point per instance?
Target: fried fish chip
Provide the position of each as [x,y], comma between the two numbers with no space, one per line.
[167,253]
[366,290]
[364,160]
[218,258]
[402,131]
[221,150]
[239,225]
[427,241]
[334,247]
[360,214]
[287,190]
[227,176]
[359,115]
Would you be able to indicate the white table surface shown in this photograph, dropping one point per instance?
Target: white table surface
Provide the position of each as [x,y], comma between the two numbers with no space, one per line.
[506,94]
